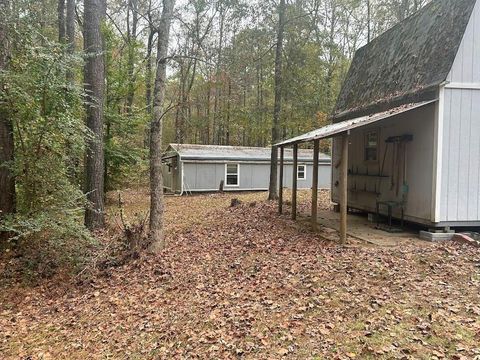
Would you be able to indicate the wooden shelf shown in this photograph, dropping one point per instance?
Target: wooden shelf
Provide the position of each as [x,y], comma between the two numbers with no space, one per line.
[368,175]
[364,191]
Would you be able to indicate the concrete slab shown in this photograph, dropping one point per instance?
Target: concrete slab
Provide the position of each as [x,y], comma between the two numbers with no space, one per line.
[436,236]
[360,228]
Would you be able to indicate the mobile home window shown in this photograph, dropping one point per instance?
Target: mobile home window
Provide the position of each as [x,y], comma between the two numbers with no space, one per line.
[232,174]
[371,146]
[301,172]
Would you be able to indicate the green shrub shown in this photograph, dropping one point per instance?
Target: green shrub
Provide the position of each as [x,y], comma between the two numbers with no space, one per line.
[50,134]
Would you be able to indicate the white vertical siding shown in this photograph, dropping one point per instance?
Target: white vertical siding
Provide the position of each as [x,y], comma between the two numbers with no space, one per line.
[460,151]
[206,176]
[324,176]
[466,67]
[460,191]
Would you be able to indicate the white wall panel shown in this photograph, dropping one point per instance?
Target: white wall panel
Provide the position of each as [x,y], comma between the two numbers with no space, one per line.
[466,67]
[460,194]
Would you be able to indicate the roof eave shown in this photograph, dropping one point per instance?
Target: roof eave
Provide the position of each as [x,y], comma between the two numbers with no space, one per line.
[207,159]
[345,126]
[425,94]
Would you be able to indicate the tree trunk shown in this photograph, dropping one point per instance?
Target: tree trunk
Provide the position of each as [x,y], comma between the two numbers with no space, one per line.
[272,190]
[7,179]
[43,19]
[156,180]
[331,52]
[70,37]
[94,13]
[132,39]
[217,79]
[61,20]
[72,161]
[184,108]
[227,135]
[148,77]
[182,99]
[207,113]
[148,71]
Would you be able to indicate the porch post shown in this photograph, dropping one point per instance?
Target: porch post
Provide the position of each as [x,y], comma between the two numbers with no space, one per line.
[294,182]
[174,174]
[280,182]
[344,189]
[316,149]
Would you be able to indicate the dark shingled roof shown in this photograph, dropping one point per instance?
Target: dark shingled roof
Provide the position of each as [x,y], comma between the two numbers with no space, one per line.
[406,63]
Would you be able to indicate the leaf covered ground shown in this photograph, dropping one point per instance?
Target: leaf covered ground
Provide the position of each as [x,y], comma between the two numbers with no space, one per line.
[244,282]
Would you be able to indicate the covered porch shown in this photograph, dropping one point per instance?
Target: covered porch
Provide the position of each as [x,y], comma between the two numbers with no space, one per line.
[360,230]
[341,132]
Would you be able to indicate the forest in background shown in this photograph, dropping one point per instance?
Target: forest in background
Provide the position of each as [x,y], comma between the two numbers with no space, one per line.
[219,89]
[221,83]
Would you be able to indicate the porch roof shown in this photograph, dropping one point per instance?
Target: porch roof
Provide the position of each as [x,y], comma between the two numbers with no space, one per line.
[344,126]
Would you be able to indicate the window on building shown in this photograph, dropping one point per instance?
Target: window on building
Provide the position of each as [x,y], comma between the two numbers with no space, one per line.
[232,172]
[371,146]
[301,172]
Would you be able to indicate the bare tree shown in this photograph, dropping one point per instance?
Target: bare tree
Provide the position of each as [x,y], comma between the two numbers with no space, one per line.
[156,180]
[94,14]
[148,71]
[132,24]
[7,180]
[272,190]
[218,68]
[188,66]
[148,64]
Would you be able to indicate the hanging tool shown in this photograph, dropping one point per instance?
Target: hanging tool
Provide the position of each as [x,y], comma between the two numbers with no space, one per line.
[398,159]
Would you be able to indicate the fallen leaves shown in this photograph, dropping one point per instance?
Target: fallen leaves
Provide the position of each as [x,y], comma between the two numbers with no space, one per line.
[245,282]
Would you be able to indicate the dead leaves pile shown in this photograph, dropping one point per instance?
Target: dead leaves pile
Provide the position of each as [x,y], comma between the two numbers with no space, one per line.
[243,282]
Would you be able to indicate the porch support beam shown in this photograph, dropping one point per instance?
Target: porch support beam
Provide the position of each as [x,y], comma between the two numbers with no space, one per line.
[174,169]
[344,189]
[280,181]
[316,150]
[294,182]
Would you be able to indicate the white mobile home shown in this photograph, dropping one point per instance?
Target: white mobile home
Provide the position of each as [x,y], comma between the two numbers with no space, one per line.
[197,168]
[409,116]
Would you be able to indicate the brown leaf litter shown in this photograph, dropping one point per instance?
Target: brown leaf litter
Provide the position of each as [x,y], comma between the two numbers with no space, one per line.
[244,282]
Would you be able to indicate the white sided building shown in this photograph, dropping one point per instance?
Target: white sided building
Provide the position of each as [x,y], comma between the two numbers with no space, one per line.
[207,168]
